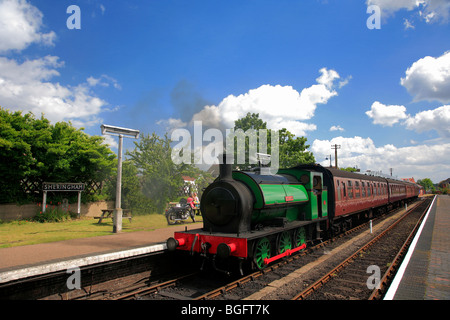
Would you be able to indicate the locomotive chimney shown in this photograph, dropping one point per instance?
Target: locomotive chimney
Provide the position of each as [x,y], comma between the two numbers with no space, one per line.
[225,168]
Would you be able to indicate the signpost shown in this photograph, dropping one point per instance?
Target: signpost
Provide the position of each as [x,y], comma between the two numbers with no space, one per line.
[121,132]
[61,186]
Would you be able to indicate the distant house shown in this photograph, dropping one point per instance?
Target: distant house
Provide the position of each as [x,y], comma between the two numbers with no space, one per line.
[445,184]
[189,185]
[409,180]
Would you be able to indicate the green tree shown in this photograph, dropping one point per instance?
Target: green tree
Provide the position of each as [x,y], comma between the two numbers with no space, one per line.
[18,135]
[36,150]
[132,195]
[427,184]
[161,177]
[250,122]
[292,150]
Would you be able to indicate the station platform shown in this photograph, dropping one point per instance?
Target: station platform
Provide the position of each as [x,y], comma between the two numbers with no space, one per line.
[33,260]
[425,271]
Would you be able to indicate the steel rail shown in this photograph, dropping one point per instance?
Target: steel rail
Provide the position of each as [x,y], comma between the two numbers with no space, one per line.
[151,289]
[223,289]
[319,283]
[141,291]
[392,270]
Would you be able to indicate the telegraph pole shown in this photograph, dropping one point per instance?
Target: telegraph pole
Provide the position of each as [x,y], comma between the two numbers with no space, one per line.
[335,147]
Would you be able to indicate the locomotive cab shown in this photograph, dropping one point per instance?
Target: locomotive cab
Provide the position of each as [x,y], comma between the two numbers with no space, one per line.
[317,206]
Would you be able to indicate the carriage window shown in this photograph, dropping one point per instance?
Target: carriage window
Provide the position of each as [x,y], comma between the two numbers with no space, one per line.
[363,189]
[350,190]
[357,190]
[368,189]
[338,190]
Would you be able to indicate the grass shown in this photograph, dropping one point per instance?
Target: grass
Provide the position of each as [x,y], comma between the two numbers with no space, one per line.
[23,232]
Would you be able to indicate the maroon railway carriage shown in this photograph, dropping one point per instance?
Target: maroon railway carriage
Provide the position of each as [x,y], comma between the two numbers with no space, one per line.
[357,195]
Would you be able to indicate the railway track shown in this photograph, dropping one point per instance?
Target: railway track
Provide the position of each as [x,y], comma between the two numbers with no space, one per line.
[198,286]
[359,276]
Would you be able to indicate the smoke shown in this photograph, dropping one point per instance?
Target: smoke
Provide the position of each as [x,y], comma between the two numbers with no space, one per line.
[186,101]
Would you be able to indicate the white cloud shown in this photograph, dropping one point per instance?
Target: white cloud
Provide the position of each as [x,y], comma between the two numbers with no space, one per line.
[103,81]
[20,25]
[428,10]
[171,124]
[420,161]
[26,87]
[336,128]
[408,24]
[389,7]
[386,115]
[429,78]
[426,79]
[437,119]
[110,141]
[279,106]
[436,10]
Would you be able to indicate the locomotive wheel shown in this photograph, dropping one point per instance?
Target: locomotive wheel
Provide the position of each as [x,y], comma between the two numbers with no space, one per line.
[284,242]
[262,251]
[299,237]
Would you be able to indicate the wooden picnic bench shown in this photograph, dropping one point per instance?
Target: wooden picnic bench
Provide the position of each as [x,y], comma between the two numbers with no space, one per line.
[109,214]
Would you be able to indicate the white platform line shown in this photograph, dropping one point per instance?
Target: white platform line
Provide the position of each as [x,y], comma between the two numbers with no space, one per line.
[79,262]
[399,275]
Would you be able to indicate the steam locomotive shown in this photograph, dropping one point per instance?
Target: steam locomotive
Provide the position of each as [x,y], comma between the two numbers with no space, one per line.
[258,218]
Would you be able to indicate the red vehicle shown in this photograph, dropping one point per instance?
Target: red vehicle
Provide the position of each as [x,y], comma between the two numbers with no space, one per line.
[259,218]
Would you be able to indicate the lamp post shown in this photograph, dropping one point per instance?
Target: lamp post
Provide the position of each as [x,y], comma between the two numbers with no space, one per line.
[329,157]
[121,132]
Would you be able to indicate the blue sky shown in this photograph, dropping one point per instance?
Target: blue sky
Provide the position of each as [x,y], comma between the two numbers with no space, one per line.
[311,66]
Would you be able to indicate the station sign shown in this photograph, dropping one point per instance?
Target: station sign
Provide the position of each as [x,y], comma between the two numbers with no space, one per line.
[55,186]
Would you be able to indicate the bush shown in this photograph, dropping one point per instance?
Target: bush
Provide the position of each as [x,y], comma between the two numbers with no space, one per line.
[53,215]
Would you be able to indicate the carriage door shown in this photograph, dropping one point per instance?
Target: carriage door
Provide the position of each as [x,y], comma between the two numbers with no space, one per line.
[317,186]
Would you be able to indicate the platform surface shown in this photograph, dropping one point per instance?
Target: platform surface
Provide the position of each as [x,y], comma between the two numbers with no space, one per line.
[22,261]
[425,271]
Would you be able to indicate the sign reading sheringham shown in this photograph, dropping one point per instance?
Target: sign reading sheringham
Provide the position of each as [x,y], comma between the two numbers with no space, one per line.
[56,186]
